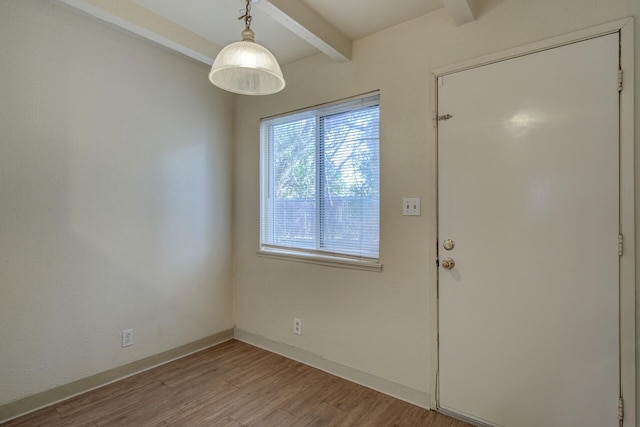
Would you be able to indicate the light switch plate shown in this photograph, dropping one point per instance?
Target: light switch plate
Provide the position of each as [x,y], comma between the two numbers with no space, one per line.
[411,206]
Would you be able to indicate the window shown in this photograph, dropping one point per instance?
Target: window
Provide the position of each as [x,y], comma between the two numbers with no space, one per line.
[320,184]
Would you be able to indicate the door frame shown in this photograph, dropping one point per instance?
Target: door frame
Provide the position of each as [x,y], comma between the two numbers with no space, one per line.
[627,199]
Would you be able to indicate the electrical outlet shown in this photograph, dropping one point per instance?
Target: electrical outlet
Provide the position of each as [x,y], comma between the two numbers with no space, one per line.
[297,326]
[127,338]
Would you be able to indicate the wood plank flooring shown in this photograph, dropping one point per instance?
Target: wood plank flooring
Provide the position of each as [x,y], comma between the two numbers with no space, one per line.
[232,385]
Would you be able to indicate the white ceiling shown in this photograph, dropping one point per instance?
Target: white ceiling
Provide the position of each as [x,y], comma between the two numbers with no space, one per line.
[360,18]
[216,20]
[291,29]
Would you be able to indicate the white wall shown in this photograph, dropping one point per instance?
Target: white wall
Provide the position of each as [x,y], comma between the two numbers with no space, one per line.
[115,194]
[115,198]
[377,322]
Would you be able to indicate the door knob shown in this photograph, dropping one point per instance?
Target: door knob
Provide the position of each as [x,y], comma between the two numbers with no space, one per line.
[448,263]
[448,244]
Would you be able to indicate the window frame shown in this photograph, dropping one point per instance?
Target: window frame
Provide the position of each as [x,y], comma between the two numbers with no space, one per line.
[312,256]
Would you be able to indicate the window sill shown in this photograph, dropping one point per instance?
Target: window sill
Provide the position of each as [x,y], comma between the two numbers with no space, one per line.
[330,261]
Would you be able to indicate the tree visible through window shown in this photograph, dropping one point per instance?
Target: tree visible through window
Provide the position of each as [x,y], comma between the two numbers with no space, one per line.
[320,180]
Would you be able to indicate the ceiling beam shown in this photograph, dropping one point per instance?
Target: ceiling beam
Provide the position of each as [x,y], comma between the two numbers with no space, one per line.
[132,17]
[310,26]
[460,11]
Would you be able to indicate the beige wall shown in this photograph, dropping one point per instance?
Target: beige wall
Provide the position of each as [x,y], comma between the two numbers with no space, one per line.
[115,198]
[377,322]
[115,194]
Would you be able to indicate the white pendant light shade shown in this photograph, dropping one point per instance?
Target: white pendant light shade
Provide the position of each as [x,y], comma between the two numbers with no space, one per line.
[247,68]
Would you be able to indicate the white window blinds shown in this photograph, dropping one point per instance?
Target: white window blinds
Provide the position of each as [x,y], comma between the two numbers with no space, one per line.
[320,180]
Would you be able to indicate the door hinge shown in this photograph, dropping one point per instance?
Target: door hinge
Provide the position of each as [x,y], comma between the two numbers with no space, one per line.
[619,80]
[620,245]
[621,409]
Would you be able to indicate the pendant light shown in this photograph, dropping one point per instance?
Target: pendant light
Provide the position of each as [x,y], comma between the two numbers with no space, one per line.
[245,67]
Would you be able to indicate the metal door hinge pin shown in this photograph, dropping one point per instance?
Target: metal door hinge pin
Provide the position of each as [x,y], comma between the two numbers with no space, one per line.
[620,245]
[621,409]
[619,80]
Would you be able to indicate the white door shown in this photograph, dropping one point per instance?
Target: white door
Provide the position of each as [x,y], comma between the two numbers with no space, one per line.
[528,177]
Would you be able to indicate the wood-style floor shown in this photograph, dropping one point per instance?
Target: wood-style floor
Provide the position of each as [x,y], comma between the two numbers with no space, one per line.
[231,385]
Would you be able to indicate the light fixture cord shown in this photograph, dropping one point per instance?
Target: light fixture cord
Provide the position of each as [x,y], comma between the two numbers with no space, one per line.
[247,15]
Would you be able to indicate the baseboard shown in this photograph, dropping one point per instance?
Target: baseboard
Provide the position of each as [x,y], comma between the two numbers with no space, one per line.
[46,398]
[399,391]
[49,397]
[464,418]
